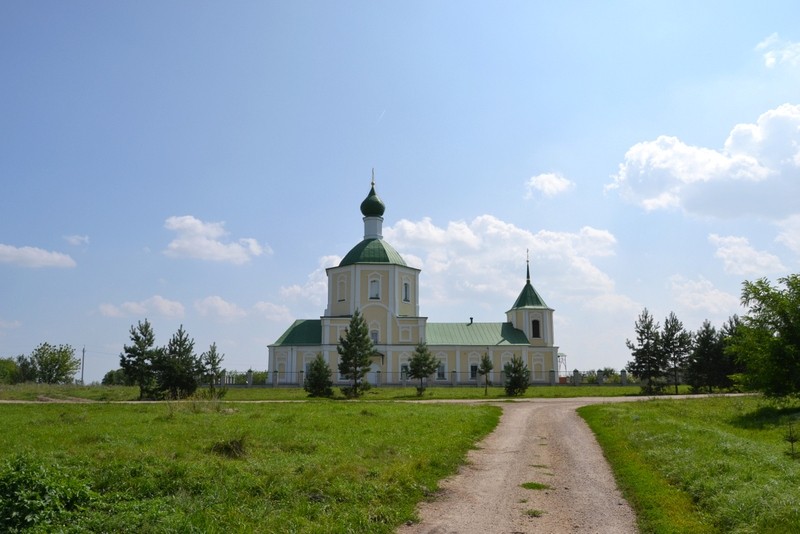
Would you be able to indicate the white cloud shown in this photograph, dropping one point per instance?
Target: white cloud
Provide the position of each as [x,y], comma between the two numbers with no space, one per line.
[779,51]
[790,233]
[220,308]
[34,257]
[738,257]
[549,184]
[155,305]
[756,173]
[9,325]
[487,257]
[700,294]
[273,312]
[315,290]
[204,241]
[77,240]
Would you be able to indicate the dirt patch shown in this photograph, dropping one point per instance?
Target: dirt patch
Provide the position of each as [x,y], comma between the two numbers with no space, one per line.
[541,441]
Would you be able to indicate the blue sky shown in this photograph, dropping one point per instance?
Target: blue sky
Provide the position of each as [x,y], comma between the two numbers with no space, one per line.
[202,163]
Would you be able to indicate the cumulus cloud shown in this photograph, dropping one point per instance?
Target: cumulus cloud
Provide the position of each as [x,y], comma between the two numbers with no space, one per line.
[206,241]
[315,290]
[155,305]
[790,233]
[757,172]
[77,240]
[486,257]
[216,306]
[548,184]
[700,294]
[273,312]
[739,257]
[33,257]
[777,51]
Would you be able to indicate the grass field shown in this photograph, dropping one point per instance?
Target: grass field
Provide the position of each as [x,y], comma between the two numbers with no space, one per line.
[118,393]
[228,467]
[704,465]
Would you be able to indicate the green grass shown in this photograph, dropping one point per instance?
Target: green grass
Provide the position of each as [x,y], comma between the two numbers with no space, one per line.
[240,467]
[238,393]
[703,465]
[536,486]
[534,513]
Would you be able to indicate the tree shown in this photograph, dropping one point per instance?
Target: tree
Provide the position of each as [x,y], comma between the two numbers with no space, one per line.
[484,369]
[26,370]
[176,367]
[318,381]
[211,363]
[648,359]
[675,342]
[517,377]
[137,359]
[117,377]
[767,341]
[8,370]
[422,365]
[55,365]
[355,350]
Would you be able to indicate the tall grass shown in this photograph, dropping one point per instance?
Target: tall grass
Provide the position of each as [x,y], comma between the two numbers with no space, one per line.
[241,467]
[703,465]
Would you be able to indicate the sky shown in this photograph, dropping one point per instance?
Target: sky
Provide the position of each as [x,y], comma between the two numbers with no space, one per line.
[202,163]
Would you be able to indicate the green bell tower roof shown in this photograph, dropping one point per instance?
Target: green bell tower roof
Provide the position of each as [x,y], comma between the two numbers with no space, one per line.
[529,298]
[373,206]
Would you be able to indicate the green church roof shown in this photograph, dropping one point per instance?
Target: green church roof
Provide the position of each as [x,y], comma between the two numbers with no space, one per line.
[373,251]
[529,298]
[373,206]
[302,332]
[477,334]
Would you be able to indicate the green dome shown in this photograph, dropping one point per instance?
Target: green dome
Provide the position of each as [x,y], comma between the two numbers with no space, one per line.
[373,251]
[373,205]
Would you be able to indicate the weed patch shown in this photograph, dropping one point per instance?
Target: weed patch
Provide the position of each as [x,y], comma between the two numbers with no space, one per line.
[536,486]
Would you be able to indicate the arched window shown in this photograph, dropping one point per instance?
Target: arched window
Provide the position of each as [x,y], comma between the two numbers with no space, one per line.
[375,289]
[341,289]
[536,330]
[406,292]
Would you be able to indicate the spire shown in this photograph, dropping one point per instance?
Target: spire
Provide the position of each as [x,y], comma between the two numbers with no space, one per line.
[529,298]
[528,265]
[372,209]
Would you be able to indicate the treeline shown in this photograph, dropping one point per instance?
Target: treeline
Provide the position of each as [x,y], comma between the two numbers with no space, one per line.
[759,351]
[47,364]
[172,372]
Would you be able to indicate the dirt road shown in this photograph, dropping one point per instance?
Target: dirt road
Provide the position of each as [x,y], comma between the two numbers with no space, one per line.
[542,441]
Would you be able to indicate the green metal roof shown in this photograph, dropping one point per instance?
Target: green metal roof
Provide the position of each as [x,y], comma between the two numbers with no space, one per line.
[478,334]
[302,332]
[529,298]
[373,250]
[372,206]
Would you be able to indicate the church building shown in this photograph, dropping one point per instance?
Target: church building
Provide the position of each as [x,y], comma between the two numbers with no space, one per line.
[374,279]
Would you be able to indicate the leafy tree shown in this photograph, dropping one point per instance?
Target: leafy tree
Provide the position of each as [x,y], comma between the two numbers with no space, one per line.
[648,363]
[211,363]
[422,365]
[675,343]
[55,365]
[176,367]
[117,377]
[318,381]
[8,370]
[517,377]
[137,359]
[484,369]
[355,350]
[767,341]
[26,370]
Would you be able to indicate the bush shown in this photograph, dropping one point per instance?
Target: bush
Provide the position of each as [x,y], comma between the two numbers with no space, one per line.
[318,381]
[32,495]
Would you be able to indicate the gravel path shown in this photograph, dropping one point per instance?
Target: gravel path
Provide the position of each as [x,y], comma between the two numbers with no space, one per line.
[545,441]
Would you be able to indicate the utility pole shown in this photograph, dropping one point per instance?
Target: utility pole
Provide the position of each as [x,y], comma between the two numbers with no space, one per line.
[83,361]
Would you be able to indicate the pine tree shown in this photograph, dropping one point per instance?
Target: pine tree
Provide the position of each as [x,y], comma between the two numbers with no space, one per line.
[136,359]
[648,362]
[176,367]
[318,381]
[422,365]
[484,369]
[355,350]
[517,377]
[211,363]
[675,343]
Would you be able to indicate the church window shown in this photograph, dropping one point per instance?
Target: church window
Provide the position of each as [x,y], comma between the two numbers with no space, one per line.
[341,289]
[374,336]
[536,329]
[406,292]
[440,371]
[473,371]
[374,289]
[404,371]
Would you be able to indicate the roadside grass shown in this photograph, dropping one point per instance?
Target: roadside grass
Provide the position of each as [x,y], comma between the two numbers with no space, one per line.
[536,486]
[703,465]
[32,392]
[237,467]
